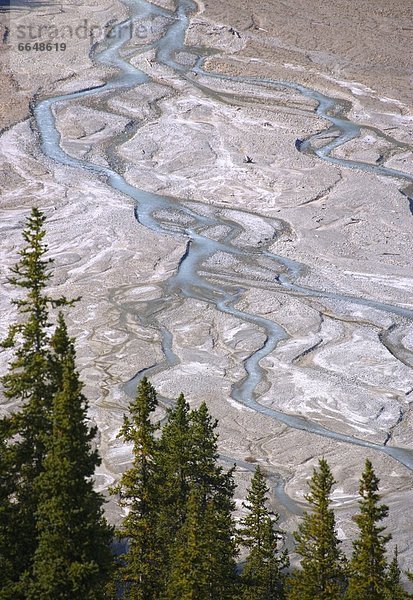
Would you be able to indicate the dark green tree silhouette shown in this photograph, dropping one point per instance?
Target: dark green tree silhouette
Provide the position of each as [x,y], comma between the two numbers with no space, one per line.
[262,576]
[394,587]
[202,560]
[215,486]
[322,564]
[141,573]
[29,384]
[174,451]
[174,457]
[29,380]
[9,521]
[197,554]
[368,565]
[73,557]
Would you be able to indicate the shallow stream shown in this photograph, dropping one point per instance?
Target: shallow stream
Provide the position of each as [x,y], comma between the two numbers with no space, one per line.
[190,280]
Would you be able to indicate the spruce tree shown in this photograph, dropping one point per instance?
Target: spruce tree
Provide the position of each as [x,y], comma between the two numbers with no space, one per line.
[29,384]
[321,576]
[174,457]
[73,558]
[368,565]
[196,555]
[216,485]
[141,570]
[208,521]
[8,519]
[29,379]
[262,576]
[394,589]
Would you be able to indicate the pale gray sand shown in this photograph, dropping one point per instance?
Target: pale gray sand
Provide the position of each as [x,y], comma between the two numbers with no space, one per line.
[341,364]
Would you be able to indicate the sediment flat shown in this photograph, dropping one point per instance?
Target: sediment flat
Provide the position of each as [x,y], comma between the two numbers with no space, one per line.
[343,364]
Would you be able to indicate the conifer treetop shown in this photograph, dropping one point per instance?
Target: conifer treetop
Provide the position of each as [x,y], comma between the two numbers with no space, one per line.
[368,565]
[32,273]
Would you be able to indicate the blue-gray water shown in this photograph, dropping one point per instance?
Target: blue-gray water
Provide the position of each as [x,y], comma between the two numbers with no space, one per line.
[11,5]
[188,280]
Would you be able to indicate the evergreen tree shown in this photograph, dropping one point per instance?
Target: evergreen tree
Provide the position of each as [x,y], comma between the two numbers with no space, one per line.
[196,555]
[322,565]
[205,474]
[262,576]
[368,565]
[174,457]
[29,379]
[141,571]
[28,384]
[394,588]
[208,522]
[8,518]
[73,557]
[214,484]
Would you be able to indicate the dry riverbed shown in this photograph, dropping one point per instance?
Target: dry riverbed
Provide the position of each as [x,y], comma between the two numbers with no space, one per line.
[342,364]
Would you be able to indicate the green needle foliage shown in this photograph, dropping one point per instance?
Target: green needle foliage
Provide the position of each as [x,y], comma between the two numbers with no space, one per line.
[262,577]
[140,573]
[174,457]
[368,565]
[54,542]
[216,490]
[29,383]
[179,527]
[54,539]
[394,589]
[29,379]
[174,453]
[73,557]
[9,519]
[202,557]
[197,555]
[322,564]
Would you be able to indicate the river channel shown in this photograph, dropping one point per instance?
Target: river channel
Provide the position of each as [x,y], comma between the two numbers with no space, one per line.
[197,224]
